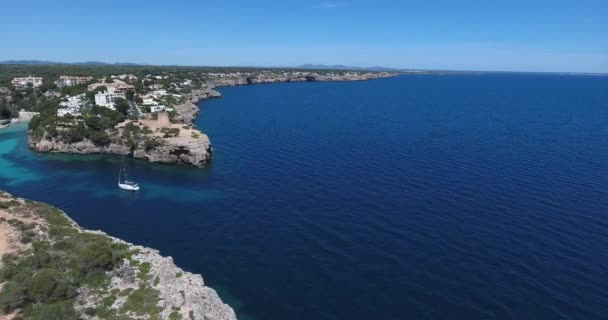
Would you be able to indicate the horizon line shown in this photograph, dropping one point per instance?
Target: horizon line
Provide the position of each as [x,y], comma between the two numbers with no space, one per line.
[35,62]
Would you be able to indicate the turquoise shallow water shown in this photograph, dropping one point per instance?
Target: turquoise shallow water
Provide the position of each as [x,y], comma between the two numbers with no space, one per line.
[10,171]
[425,197]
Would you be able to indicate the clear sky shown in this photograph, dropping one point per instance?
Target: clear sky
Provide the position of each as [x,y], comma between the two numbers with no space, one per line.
[516,35]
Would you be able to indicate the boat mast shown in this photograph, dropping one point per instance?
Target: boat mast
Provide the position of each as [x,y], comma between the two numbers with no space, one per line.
[122,164]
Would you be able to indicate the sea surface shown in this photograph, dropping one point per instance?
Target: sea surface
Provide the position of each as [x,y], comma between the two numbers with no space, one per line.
[415,197]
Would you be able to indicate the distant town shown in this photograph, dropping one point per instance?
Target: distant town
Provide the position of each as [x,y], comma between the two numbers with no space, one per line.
[146,95]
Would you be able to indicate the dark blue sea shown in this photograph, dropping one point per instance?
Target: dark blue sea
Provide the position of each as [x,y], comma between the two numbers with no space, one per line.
[415,197]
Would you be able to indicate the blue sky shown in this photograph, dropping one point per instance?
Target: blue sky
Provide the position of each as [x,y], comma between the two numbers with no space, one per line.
[516,35]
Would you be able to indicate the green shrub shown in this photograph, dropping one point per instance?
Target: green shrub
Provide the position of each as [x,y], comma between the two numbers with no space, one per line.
[109,301]
[143,301]
[125,292]
[175,316]
[13,296]
[170,132]
[61,310]
[43,285]
[72,135]
[43,282]
[100,138]
[144,270]
[151,144]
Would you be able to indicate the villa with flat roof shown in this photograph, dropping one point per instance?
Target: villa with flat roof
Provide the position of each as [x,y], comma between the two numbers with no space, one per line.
[107,98]
[72,81]
[21,82]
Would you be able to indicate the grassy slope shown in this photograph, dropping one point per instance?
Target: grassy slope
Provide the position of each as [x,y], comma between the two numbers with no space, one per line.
[57,261]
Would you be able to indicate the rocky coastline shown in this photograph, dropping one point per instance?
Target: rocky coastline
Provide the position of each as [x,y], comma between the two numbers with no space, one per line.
[169,292]
[208,91]
[193,148]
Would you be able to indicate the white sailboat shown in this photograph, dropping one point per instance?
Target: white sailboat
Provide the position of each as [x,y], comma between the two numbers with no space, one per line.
[123,181]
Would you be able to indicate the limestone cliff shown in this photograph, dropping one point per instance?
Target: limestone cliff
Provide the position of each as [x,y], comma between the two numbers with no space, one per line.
[80,281]
[156,140]
[238,79]
[186,112]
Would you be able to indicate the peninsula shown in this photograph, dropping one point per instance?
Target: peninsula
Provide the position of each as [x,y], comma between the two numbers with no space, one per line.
[142,112]
[51,268]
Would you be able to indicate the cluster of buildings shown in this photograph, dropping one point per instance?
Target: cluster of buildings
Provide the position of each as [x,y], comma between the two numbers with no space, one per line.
[22,82]
[114,86]
[71,106]
[107,98]
[66,81]
[124,76]
[149,100]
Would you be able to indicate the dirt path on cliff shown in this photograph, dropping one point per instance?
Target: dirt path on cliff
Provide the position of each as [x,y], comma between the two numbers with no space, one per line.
[5,247]
[3,241]
[9,235]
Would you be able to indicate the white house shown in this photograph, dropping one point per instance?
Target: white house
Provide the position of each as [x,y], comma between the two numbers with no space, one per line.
[73,101]
[148,101]
[65,111]
[159,93]
[21,82]
[107,98]
[126,76]
[157,108]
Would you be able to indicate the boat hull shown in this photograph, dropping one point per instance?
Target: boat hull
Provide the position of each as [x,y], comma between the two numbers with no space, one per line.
[128,187]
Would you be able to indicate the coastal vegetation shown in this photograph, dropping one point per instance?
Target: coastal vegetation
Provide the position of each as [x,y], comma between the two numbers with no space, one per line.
[92,125]
[53,269]
[43,280]
[52,71]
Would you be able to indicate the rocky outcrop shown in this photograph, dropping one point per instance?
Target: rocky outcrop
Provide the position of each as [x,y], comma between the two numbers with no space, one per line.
[196,151]
[180,292]
[189,146]
[186,112]
[238,79]
[206,92]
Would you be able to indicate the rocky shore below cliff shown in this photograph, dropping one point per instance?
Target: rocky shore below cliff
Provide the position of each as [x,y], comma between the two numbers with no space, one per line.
[52,268]
[236,79]
[208,90]
[155,140]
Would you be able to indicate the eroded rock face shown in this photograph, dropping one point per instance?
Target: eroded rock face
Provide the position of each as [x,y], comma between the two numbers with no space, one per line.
[191,151]
[186,112]
[238,80]
[182,290]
